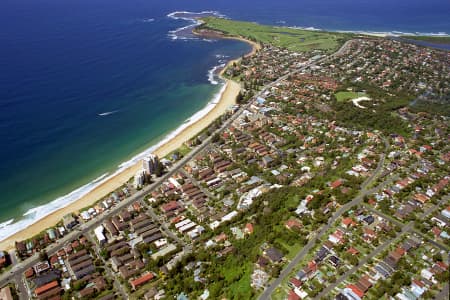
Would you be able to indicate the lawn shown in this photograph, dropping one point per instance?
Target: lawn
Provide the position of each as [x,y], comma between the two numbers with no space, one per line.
[241,287]
[293,39]
[292,250]
[344,96]
[183,150]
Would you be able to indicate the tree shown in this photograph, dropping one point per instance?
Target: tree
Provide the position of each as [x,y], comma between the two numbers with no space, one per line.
[239,98]
[43,255]
[159,170]
[215,138]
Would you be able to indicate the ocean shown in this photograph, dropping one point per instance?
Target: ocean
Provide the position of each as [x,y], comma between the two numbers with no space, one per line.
[86,85]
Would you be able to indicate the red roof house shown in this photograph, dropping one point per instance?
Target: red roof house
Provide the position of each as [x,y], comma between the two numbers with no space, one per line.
[45,288]
[141,280]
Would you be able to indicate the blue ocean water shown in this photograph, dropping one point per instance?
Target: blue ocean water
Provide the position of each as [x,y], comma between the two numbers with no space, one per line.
[87,84]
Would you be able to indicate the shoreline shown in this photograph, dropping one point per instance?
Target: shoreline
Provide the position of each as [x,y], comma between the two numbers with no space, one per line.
[227,98]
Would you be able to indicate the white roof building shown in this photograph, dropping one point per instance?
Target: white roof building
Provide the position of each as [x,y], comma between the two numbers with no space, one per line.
[99,234]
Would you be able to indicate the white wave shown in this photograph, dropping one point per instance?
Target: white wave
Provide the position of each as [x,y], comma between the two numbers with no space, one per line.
[310,28]
[173,15]
[149,20]
[212,74]
[107,113]
[35,214]
[4,224]
[368,32]
[432,33]
[176,34]
[185,32]
[394,33]
[221,56]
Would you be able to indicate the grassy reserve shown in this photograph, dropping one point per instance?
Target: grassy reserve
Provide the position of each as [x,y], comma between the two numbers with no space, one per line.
[345,95]
[290,38]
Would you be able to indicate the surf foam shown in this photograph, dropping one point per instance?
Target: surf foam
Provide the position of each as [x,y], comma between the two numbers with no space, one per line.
[185,32]
[212,74]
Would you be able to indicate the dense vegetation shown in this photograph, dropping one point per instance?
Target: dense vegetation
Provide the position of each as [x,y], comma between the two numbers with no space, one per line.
[380,116]
[435,108]
[290,38]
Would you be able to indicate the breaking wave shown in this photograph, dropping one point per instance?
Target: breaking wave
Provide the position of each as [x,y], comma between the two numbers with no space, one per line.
[185,32]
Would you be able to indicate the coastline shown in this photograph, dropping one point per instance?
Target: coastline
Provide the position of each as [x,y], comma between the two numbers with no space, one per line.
[227,98]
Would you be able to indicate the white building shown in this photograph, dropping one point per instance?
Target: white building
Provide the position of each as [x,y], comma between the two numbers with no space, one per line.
[150,164]
[99,234]
[139,179]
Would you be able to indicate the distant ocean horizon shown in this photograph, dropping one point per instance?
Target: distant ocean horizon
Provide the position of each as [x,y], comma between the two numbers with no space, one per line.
[86,86]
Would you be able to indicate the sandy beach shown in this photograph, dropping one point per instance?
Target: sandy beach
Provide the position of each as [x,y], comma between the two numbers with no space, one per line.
[227,99]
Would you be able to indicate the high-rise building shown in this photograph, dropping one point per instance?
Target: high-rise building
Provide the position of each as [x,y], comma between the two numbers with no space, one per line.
[150,164]
[139,179]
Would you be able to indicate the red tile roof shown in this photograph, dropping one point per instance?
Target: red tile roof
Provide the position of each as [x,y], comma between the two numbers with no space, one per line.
[29,272]
[172,205]
[347,222]
[336,184]
[353,251]
[293,224]
[356,290]
[293,296]
[249,228]
[295,282]
[46,287]
[141,280]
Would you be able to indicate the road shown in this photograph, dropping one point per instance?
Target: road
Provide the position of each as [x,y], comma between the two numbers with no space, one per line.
[22,288]
[312,242]
[197,184]
[433,208]
[398,223]
[363,261]
[405,228]
[162,225]
[109,272]
[444,294]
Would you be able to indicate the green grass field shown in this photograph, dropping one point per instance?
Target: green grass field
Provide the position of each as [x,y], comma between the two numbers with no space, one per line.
[344,96]
[293,39]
